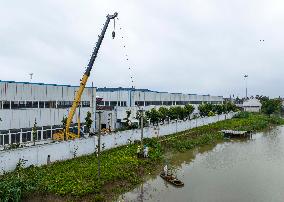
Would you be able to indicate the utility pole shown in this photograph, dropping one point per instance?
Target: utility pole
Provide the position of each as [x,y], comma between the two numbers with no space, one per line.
[246,82]
[99,144]
[31,76]
[142,120]
[92,112]
[110,122]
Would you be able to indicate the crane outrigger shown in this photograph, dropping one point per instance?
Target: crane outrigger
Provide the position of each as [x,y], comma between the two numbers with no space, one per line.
[66,134]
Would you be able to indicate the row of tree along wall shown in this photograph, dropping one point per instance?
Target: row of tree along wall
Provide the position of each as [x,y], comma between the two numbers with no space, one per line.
[43,154]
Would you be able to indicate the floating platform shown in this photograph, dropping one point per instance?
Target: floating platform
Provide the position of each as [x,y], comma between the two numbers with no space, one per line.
[236,134]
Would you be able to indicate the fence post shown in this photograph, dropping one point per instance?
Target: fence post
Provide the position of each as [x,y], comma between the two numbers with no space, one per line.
[32,137]
[21,136]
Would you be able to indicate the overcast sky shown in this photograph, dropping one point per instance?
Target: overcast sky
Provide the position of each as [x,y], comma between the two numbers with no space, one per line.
[188,46]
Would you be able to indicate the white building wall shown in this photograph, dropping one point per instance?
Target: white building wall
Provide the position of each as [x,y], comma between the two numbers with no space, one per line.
[25,117]
[38,155]
[130,95]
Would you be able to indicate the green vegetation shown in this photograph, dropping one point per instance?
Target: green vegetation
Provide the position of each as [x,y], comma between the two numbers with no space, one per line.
[121,170]
[271,106]
[34,132]
[88,121]
[209,134]
[208,109]
[173,113]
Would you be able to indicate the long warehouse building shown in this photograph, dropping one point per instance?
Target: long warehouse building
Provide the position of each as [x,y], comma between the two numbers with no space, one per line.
[130,97]
[23,103]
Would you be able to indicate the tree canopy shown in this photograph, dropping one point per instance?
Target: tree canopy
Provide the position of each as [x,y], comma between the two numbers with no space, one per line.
[271,106]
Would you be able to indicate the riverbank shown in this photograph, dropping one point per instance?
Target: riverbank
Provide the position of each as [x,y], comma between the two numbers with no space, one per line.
[77,179]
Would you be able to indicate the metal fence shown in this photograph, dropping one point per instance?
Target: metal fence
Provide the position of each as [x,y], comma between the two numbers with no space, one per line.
[23,136]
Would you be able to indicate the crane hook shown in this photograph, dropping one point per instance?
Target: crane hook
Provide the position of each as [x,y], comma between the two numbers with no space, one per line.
[113,32]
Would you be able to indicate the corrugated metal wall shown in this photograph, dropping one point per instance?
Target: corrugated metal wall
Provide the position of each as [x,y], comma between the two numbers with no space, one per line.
[23,117]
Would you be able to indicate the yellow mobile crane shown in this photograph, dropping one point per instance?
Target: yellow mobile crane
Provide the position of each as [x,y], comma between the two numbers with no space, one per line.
[66,134]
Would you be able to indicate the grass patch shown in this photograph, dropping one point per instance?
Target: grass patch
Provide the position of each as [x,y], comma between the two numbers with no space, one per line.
[121,170]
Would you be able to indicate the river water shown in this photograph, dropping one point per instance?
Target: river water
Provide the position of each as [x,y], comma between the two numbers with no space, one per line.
[230,171]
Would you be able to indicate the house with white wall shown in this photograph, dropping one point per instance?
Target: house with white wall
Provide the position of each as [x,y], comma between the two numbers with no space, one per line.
[252,105]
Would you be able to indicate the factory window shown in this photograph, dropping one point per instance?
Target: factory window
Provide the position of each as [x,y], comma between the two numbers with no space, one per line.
[1,139]
[29,104]
[29,136]
[60,104]
[0,104]
[123,104]
[35,104]
[15,138]
[139,103]
[50,104]
[47,104]
[44,136]
[100,103]
[86,104]
[41,104]
[22,104]
[48,133]
[14,105]
[113,103]
[44,133]
[167,103]
[156,103]
[6,105]
[24,137]
[38,135]
[106,103]
[195,102]
[6,139]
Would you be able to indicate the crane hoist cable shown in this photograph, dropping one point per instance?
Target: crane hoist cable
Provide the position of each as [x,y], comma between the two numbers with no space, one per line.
[130,67]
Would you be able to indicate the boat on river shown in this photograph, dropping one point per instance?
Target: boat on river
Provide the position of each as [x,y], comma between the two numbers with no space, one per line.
[171,179]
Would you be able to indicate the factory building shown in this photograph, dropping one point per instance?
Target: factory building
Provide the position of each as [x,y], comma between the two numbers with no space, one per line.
[116,101]
[23,103]
[129,97]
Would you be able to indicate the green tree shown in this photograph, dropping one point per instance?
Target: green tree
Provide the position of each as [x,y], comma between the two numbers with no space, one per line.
[88,121]
[173,114]
[138,117]
[164,113]
[218,109]
[229,106]
[154,115]
[34,132]
[64,121]
[188,110]
[127,119]
[271,106]
[181,112]
[204,109]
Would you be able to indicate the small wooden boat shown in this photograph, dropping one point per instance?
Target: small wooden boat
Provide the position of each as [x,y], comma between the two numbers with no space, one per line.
[171,179]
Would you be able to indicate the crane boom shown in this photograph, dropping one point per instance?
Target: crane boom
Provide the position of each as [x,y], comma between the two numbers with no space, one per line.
[86,75]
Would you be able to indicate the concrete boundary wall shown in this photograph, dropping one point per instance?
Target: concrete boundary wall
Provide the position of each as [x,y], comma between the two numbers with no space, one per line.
[39,155]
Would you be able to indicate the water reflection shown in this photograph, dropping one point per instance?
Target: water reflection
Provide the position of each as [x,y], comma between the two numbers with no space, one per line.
[247,170]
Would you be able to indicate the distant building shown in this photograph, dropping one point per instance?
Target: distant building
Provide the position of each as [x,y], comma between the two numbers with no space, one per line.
[252,105]
[116,101]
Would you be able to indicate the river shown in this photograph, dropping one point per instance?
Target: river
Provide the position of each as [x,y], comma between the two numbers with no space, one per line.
[230,171]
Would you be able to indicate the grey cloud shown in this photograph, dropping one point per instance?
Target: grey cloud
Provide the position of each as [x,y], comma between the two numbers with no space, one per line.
[188,46]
